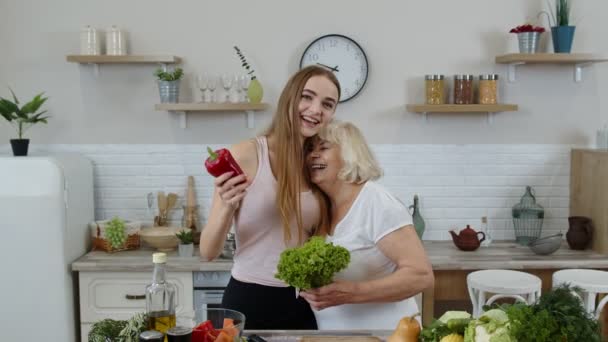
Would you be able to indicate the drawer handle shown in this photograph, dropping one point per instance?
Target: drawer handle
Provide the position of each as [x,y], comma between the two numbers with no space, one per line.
[135,297]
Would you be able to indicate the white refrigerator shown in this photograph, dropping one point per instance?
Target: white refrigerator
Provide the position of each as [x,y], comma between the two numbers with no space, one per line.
[46,203]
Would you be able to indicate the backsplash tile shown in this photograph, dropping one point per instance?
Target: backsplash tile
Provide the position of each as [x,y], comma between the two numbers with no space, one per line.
[457,184]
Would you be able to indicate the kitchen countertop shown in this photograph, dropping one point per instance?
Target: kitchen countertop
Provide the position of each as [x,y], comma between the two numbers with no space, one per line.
[443,255]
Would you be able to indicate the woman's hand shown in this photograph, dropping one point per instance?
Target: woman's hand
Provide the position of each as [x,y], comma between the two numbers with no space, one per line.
[336,293]
[231,190]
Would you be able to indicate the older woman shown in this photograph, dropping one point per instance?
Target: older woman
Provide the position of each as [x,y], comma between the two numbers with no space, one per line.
[388,263]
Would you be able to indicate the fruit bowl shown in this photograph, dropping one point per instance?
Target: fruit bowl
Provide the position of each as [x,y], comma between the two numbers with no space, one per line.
[161,238]
[546,245]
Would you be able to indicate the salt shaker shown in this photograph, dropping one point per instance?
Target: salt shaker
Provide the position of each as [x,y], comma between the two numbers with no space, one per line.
[90,43]
[116,44]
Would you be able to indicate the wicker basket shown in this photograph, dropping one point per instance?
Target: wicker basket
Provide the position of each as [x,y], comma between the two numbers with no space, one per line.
[101,244]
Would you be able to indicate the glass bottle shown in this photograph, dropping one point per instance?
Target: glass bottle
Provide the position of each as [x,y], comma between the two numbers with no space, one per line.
[417,218]
[160,297]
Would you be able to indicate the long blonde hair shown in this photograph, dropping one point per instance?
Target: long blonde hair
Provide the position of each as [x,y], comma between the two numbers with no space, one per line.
[291,170]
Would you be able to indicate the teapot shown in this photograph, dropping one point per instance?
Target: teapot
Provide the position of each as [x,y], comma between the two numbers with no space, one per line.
[467,239]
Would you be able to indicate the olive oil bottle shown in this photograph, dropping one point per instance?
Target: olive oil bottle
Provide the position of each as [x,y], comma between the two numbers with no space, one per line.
[160,297]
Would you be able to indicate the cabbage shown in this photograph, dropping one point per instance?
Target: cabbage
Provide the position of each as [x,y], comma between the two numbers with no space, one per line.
[492,326]
[454,315]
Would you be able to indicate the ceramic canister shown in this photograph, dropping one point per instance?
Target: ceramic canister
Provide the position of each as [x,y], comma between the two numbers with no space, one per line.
[90,43]
[116,43]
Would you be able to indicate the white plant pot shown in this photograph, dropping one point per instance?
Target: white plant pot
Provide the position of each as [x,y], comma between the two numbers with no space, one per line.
[185,251]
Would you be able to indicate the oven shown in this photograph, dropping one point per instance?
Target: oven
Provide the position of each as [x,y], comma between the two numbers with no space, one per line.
[209,288]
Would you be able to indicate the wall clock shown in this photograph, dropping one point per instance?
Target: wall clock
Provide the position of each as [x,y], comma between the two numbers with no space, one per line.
[344,57]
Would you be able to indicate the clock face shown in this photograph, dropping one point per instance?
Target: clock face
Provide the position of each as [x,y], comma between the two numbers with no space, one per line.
[344,57]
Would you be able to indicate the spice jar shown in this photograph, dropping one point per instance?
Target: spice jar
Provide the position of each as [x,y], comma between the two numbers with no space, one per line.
[435,89]
[488,89]
[463,89]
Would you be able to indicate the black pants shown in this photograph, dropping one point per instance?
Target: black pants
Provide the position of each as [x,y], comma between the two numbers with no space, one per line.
[268,307]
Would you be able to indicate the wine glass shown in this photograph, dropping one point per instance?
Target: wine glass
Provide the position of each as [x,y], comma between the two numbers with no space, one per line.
[244,85]
[212,84]
[202,81]
[227,84]
[237,86]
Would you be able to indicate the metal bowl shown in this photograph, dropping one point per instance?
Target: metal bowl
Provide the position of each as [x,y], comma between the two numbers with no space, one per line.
[546,245]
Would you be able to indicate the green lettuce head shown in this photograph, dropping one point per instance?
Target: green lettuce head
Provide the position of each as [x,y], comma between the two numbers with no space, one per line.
[492,326]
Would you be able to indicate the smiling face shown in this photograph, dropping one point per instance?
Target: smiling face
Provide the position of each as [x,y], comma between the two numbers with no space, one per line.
[324,161]
[317,104]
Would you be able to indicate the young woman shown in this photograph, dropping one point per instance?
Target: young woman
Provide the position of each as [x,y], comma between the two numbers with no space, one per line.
[272,206]
[388,263]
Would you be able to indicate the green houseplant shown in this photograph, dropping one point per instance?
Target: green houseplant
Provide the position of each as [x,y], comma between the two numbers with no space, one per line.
[22,118]
[168,84]
[186,242]
[255,92]
[562,31]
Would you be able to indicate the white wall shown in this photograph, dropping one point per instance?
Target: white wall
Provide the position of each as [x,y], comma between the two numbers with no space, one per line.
[403,40]
[462,167]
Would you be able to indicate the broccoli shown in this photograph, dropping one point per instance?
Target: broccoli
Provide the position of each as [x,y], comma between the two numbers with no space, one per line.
[313,264]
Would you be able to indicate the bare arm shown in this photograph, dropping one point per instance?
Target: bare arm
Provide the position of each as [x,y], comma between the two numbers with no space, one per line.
[413,275]
[227,196]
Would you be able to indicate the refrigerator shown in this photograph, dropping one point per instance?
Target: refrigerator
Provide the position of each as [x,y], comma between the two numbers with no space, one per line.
[46,203]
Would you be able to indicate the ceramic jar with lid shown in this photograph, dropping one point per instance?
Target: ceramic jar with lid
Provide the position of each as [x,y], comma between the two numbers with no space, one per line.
[435,89]
[463,89]
[488,89]
[116,43]
[90,41]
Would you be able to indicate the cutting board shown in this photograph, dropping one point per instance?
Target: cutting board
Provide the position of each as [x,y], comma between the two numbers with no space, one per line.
[340,339]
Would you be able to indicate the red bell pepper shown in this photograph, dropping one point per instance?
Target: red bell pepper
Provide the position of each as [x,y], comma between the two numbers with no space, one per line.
[220,162]
[201,331]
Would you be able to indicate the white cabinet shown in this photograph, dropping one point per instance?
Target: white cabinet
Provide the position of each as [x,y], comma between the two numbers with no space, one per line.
[120,295]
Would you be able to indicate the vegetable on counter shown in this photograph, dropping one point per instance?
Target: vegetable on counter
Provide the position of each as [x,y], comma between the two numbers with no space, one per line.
[313,264]
[119,331]
[451,323]
[408,330]
[220,162]
[492,326]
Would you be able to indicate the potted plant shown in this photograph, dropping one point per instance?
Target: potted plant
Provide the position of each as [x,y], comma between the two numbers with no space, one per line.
[168,84]
[186,243]
[561,30]
[22,118]
[528,36]
[255,92]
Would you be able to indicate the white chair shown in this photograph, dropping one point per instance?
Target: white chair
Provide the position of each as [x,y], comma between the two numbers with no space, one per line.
[521,286]
[591,282]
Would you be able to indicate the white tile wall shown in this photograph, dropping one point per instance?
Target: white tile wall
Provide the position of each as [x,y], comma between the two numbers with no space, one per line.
[457,184]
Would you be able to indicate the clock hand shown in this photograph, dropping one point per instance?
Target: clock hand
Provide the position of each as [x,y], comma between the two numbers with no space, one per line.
[328,67]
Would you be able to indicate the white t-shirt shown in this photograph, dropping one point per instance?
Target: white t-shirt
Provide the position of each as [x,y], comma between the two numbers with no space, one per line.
[374,214]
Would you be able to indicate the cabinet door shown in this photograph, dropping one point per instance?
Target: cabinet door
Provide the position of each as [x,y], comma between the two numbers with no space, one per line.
[119,295]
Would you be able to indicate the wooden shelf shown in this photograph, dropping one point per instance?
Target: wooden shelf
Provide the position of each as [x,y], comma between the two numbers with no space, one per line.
[578,60]
[211,107]
[107,59]
[183,108]
[464,108]
[552,58]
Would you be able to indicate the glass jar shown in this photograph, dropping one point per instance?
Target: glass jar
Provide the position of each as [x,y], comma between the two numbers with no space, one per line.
[435,89]
[463,89]
[488,89]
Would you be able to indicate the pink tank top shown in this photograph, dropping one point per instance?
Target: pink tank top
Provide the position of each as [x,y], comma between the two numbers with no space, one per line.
[258,227]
